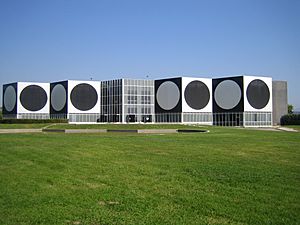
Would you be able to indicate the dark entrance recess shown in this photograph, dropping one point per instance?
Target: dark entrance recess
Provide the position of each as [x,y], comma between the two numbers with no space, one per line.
[109,118]
[130,118]
[116,118]
[103,119]
[146,118]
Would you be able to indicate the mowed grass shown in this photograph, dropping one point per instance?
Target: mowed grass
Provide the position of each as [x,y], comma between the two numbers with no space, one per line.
[226,176]
[123,126]
[23,126]
[98,126]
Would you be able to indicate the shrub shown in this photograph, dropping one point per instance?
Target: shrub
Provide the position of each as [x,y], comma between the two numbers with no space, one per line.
[290,119]
[28,121]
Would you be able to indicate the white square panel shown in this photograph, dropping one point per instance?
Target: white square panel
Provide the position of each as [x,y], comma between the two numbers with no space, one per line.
[196,94]
[257,94]
[83,96]
[33,97]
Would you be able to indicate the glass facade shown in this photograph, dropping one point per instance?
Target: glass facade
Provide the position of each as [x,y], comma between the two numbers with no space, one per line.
[111,101]
[34,116]
[228,119]
[168,117]
[258,119]
[246,119]
[199,117]
[59,116]
[84,117]
[138,101]
[185,117]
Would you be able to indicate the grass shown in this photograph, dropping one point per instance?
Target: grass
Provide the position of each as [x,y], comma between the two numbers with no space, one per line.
[23,126]
[97,126]
[122,126]
[227,176]
[296,127]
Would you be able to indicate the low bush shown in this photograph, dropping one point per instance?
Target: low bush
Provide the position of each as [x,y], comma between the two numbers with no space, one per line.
[290,119]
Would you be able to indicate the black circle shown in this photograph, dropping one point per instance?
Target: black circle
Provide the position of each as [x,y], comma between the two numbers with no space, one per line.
[196,95]
[84,97]
[258,94]
[33,98]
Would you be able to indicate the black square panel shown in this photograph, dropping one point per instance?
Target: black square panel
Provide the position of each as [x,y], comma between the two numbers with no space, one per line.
[168,95]
[10,98]
[228,94]
[59,97]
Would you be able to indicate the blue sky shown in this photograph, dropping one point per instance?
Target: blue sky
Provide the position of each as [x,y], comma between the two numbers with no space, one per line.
[53,40]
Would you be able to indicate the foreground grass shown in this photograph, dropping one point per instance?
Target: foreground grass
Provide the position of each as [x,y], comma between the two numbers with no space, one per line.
[227,176]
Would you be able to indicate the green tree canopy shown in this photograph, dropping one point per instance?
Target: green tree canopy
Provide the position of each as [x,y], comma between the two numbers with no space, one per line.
[290,109]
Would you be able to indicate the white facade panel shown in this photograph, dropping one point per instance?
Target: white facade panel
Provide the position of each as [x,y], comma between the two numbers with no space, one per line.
[196,94]
[257,94]
[33,97]
[83,97]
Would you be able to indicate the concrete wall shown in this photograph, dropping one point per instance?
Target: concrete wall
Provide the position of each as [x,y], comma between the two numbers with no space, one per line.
[280,101]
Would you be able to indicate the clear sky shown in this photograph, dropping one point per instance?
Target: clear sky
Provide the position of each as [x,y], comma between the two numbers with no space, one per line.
[55,40]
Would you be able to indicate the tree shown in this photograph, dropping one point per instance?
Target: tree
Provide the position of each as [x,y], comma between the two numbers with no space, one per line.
[290,109]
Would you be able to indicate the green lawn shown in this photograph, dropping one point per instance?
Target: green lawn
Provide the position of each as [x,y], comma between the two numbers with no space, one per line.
[296,127]
[122,126]
[23,126]
[226,176]
[98,126]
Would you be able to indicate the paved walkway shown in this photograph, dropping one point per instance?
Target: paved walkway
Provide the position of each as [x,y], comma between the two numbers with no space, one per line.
[287,129]
[16,131]
[277,128]
[145,131]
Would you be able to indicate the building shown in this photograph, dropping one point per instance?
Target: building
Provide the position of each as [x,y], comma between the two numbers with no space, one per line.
[183,100]
[77,101]
[242,101]
[127,101]
[280,101]
[26,100]
[227,101]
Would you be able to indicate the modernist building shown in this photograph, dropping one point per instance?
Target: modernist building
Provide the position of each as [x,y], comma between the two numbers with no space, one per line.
[77,101]
[183,100]
[242,101]
[26,100]
[227,101]
[127,101]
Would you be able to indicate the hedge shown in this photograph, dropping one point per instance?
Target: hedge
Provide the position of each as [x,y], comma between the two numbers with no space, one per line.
[290,119]
[28,121]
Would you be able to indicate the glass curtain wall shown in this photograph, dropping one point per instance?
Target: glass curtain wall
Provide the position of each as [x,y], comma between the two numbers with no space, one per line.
[258,119]
[111,101]
[138,101]
[228,119]
[83,117]
[198,117]
[35,116]
[246,119]
[168,117]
